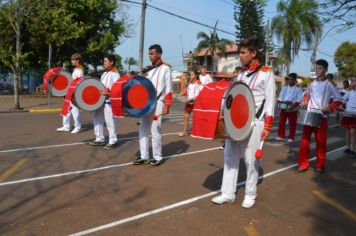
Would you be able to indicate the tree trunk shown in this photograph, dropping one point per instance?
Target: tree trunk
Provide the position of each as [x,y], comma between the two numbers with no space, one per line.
[129,67]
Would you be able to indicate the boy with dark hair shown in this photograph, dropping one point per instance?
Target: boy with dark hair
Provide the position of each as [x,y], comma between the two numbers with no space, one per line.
[316,99]
[260,79]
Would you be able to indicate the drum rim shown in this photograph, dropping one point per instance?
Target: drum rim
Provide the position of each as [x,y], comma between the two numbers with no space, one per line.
[152,97]
[79,86]
[60,93]
[222,110]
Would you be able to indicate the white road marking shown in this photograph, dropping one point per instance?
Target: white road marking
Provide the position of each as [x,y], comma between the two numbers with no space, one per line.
[95,169]
[182,203]
[68,144]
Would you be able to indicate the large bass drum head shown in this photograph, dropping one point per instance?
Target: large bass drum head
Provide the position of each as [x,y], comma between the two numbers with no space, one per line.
[238,111]
[139,96]
[59,84]
[88,95]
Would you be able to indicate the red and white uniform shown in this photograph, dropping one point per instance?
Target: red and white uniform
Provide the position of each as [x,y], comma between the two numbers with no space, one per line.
[74,111]
[350,100]
[193,91]
[318,95]
[263,87]
[161,78]
[104,113]
[205,79]
[292,94]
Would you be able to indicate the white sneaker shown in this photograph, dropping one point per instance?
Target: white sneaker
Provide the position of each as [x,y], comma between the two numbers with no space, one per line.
[248,202]
[63,129]
[75,131]
[221,200]
[279,139]
[290,140]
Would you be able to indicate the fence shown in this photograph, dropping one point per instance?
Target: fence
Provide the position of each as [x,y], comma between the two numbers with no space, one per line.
[30,82]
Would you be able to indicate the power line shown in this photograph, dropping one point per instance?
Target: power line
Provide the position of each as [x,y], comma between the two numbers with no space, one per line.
[181,17]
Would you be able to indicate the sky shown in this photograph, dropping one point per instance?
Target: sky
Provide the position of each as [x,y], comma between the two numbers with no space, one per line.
[177,36]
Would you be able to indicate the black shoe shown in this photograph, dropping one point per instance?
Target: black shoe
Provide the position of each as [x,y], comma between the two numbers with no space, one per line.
[97,143]
[109,146]
[347,150]
[140,161]
[156,163]
[319,170]
[352,154]
[301,170]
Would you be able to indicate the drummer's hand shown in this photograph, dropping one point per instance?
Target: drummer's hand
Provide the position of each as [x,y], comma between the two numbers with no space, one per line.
[106,94]
[265,134]
[165,110]
[303,105]
[326,110]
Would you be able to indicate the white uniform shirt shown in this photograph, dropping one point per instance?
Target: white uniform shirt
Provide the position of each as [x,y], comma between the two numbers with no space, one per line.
[350,99]
[319,93]
[161,78]
[77,73]
[193,90]
[263,87]
[291,94]
[108,78]
[205,79]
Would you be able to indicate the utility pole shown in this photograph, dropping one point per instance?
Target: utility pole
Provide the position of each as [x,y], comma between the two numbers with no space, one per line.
[267,43]
[142,35]
[315,47]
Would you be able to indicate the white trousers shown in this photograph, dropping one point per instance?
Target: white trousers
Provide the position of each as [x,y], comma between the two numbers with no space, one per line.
[147,125]
[104,114]
[76,117]
[233,152]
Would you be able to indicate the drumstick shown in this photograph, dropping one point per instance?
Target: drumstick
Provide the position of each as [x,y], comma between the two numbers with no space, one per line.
[259,152]
[155,117]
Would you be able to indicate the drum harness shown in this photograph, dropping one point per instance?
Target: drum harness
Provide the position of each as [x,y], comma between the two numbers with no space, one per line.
[260,110]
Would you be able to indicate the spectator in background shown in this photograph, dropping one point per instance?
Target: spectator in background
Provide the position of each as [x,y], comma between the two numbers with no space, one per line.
[4,84]
[204,77]
[346,87]
[330,77]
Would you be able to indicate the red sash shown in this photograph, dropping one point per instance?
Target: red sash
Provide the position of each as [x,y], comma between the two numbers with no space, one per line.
[66,104]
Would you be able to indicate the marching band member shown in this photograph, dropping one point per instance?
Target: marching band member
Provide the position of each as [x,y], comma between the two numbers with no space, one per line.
[78,72]
[316,98]
[204,77]
[293,96]
[104,113]
[261,81]
[161,78]
[193,90]
[349,123]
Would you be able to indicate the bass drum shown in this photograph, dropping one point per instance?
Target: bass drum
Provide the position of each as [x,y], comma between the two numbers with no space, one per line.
[59,83]
[88,95]
[139,96]
[237,113]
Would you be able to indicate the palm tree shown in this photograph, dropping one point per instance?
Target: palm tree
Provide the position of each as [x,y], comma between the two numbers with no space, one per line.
[212,43]
[130,62]
[295,24]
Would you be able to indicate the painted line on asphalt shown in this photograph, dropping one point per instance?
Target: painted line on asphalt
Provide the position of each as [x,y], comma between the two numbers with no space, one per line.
[45,110]
[12,170]
[97,169]
[335,204]
[182,203]
[251,231]
[68,144]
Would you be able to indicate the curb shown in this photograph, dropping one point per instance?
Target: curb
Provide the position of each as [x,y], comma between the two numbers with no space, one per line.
[45,110]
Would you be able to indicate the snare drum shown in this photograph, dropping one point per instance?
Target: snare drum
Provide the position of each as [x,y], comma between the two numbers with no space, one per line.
[309,118]
[88,95]
[283,106]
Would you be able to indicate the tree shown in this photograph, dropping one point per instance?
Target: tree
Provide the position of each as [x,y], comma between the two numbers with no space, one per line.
[249,17]
[295,24]
[212,43]
[343,10]
[13,18]
[345,59]
[130,62]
